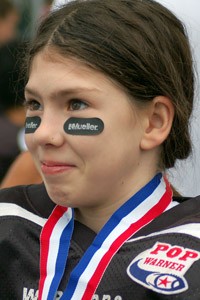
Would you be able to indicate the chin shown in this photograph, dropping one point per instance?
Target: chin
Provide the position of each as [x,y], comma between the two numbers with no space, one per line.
[58,196]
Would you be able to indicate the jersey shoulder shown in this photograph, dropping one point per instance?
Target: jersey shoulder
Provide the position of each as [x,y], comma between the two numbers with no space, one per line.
[32,198]
[164,257]
[187,211]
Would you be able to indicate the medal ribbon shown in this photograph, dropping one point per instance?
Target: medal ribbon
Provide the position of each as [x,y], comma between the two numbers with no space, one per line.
[137,212]
[54,247]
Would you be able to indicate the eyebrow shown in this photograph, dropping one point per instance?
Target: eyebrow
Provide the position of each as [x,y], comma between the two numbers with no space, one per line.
[30,91]
[62,93]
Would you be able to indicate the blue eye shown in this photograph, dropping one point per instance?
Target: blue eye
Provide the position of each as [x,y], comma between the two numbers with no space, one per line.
[77,104]
[32,105]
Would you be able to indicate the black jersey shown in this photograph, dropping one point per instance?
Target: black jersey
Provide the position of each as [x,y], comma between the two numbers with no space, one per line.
[161,261]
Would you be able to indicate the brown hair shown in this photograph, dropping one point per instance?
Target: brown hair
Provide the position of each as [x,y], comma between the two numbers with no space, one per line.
[138,43]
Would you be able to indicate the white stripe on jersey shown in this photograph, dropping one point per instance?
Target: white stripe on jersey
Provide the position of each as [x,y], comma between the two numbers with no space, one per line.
[192,229]
[10,209]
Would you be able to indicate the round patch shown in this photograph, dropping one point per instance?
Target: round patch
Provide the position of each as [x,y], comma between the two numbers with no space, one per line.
[31,124]
[84,126]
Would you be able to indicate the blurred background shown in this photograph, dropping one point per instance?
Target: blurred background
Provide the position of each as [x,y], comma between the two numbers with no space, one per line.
[31,11]
[186,175]
[18,22]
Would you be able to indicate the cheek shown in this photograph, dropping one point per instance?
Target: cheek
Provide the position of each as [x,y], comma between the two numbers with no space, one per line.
[86,147]
[85,135]
[31,125]
[29,141]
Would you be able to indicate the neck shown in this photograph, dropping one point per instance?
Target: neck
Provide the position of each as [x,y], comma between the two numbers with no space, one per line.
[96,217]
[92,219]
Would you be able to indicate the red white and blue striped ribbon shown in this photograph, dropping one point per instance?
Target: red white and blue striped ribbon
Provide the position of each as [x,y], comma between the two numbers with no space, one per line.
[54,247]
[134,214]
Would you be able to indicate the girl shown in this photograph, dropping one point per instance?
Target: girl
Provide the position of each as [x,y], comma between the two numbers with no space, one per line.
[108,96]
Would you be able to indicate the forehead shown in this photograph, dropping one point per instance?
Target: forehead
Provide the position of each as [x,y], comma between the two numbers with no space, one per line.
[58,72]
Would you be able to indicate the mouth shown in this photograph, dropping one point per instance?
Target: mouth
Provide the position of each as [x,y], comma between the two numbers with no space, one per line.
[51,168]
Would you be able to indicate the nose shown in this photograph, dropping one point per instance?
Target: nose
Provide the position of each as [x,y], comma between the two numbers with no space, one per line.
[49,132]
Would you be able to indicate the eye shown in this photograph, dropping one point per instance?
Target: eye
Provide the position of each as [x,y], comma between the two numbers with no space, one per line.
[76,104]
[32,105]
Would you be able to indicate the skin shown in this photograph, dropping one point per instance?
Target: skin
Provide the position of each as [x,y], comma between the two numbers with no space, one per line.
[94,174]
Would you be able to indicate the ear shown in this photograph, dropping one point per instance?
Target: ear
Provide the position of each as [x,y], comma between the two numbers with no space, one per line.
[159,122]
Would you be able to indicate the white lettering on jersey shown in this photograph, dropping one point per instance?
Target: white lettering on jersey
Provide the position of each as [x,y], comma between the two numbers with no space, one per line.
[106,297]
[31,294]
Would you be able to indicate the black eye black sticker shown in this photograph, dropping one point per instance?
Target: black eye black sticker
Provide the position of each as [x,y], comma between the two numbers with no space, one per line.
[31,124]
[84,126]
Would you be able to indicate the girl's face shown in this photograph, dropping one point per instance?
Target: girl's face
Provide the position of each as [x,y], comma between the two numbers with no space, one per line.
[89,170]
